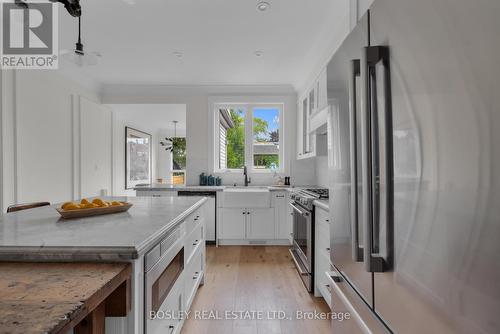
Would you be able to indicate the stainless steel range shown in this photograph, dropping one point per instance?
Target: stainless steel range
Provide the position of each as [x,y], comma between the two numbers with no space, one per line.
[302,250]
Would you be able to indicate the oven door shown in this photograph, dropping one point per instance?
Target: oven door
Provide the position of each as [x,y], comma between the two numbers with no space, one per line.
[302,234]
[164,292]
[302,249]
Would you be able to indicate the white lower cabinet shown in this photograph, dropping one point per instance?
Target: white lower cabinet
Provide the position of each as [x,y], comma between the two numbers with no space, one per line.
[260,224]
[266,225]
[283,215]
[193,275]
[233,223]
[322,254]
[246,223]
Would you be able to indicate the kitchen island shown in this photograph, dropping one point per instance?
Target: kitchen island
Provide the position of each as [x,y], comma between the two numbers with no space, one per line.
[139,236]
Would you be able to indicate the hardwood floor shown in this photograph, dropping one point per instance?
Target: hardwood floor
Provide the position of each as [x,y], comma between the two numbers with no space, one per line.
[251,278]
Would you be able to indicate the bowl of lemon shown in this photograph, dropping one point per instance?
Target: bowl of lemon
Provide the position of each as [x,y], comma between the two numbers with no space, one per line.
[94,207]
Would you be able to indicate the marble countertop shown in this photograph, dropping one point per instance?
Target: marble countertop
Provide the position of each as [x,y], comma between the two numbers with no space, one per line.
[41,235]
[169,187]
[322,203]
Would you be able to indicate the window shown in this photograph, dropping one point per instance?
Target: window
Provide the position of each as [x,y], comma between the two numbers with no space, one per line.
[178,160]
[266,138]
[248,135]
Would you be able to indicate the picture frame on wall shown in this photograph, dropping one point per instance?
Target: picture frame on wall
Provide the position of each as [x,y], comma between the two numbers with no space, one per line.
[138,158]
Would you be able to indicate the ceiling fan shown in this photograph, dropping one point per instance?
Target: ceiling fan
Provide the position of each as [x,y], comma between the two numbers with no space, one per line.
[169,142]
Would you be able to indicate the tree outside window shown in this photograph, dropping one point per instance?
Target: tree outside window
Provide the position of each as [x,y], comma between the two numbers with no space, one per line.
[178,160]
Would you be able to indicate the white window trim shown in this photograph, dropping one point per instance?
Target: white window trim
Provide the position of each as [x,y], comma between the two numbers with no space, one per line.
[247,103]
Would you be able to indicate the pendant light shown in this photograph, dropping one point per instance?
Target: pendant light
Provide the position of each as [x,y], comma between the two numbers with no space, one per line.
[79,56]
[169,142]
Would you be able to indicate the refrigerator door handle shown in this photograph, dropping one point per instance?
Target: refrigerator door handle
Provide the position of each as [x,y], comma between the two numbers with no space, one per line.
[357,251]
[334,279]
[375,260]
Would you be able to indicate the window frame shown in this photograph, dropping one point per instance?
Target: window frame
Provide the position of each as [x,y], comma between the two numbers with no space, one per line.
[249,111]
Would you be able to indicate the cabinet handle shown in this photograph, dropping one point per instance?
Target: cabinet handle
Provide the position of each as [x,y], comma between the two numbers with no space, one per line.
[327,249]
[280,196]
[327,220]
[243,213]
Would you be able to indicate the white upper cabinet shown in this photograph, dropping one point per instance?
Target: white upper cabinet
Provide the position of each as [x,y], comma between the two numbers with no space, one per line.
[312,102]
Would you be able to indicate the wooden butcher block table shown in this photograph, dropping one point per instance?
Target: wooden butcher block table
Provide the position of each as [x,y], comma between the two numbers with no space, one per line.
[57,297]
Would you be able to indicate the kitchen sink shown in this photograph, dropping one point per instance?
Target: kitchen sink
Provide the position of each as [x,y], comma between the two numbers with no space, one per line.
[245,197]
[244,189]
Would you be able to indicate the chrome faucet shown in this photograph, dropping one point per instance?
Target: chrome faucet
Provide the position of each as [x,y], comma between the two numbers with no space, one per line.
[247,179]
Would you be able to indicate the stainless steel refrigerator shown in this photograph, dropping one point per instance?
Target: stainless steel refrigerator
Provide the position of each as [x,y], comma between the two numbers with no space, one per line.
[414,163]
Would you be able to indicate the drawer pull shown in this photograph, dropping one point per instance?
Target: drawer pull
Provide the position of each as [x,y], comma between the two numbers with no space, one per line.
[327,249]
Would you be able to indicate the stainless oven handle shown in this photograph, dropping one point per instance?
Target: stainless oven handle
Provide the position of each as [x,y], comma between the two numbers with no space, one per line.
[301,271]
[296,208]
[333,277]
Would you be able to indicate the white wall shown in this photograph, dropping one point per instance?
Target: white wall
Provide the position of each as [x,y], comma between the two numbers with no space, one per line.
[95,149]
[40,136]
[322,172]
[196,99]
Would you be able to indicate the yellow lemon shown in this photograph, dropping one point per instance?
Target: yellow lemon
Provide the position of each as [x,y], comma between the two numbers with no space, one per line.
[116,203]
[99,202]
[84,201]
[72,206]
[65,205]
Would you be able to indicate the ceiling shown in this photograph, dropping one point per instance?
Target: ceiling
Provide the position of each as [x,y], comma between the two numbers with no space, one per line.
[218,39]
[156,118]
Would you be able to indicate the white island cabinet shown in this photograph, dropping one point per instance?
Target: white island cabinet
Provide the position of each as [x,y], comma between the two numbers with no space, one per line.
[254,216]
[162,237]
